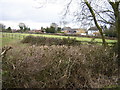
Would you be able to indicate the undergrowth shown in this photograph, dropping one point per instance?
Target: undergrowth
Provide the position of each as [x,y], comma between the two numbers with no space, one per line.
[55,66]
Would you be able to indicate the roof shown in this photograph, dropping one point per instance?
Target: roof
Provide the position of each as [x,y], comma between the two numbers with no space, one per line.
[93,28]
[74,29]
[67,28]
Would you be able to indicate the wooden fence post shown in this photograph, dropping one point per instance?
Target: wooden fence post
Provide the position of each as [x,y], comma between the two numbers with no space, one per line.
[6,34]
[23,36]
[19,36]
[9,35]
[12,36]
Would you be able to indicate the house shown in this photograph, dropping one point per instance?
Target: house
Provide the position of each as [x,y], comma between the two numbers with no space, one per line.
[78,31]
[35,31]
[66,30]
[93,31]
[16,30]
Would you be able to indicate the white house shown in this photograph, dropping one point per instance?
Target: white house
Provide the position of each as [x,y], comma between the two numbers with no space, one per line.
[93,31]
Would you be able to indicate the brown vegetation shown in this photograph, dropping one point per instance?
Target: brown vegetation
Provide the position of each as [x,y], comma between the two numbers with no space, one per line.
[55,66]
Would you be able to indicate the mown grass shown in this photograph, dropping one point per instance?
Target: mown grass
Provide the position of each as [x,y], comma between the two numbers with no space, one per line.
[57,36]
[7,40]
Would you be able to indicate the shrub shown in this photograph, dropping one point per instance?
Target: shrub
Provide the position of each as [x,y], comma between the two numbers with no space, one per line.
[110,33]
[49,41]
[50,30]
[59,67]
[115,47]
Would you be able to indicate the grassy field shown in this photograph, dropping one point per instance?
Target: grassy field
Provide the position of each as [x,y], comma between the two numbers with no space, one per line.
[7,40]
[21,35]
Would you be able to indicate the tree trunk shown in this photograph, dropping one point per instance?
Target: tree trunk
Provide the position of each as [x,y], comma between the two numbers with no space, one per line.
[118,37]
[115,7]
[117,18]
[96,23]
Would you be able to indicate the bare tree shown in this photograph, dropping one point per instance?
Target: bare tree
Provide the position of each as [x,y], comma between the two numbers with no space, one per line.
[107,13]
[116,9]
[22,26]
[85,13]
[95,21]
[92,10]
[2,27]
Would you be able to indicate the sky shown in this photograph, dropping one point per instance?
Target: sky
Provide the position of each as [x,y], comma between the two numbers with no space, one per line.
[31,13]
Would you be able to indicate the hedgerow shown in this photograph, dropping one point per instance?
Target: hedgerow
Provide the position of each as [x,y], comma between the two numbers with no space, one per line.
[49,41]
[55,66]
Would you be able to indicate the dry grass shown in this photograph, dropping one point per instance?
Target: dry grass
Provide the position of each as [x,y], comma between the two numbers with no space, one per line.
[59,67]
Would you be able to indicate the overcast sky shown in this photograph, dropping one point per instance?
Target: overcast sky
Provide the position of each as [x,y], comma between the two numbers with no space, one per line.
[14,12]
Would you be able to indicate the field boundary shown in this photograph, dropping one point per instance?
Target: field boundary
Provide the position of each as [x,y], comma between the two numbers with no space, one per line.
[22,36]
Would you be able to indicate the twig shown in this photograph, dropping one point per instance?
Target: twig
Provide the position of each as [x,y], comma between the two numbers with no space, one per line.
[4,51]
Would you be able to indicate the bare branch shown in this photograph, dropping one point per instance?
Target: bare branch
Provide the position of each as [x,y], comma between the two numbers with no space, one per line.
[105,11]
[67,8]
[104,20]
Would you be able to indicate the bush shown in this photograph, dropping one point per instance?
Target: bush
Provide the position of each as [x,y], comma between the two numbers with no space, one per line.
[49,41]
[59,67]
[110,33]
[50,30]
[115,47]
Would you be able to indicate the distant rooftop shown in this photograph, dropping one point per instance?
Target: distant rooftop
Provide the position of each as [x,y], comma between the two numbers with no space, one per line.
[93,28]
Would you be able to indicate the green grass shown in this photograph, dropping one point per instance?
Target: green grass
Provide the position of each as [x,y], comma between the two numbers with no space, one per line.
[21,35]
[113,86]
[77,38]
[7,40]
[12,42]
